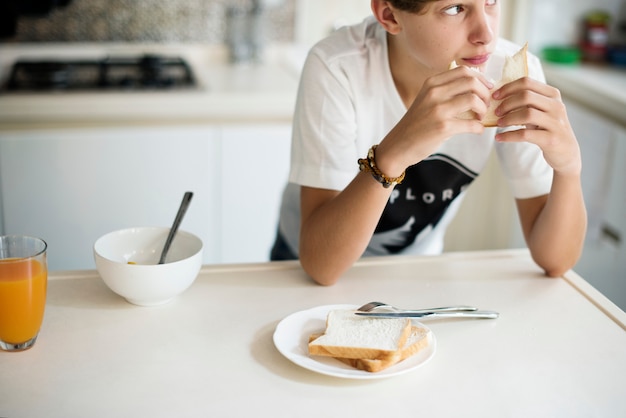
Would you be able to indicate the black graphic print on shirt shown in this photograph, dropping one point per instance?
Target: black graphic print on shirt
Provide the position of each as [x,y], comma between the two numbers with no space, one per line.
[419,203]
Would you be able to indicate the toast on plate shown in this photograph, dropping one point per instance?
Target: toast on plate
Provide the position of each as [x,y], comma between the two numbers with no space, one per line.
[370,344]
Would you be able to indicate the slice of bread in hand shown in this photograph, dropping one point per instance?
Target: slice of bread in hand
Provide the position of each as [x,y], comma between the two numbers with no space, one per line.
[356,337]
[417,340]
[515,67]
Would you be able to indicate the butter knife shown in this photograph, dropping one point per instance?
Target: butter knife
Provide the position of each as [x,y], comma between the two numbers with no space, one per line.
[459,314]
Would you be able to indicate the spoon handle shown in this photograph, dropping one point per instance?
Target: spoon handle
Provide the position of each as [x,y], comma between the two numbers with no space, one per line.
[179,217]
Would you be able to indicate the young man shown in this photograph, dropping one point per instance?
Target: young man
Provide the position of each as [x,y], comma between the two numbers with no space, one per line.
[385,83]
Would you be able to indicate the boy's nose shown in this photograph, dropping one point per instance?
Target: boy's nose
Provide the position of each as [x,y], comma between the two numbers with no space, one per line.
[483,32]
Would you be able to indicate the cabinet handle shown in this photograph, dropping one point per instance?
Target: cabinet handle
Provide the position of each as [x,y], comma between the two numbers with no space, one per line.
[612,234]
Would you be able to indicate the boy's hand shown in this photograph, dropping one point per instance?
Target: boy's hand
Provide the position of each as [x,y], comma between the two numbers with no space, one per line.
[540,109]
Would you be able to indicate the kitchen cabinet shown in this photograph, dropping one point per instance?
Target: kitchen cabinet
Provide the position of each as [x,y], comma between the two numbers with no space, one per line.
[254,172]
[70,186]
[603,147]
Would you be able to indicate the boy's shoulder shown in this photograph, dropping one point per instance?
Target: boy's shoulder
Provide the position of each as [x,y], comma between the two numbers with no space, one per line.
[358,39]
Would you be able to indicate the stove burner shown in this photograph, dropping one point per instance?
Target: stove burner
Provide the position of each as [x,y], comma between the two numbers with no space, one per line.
[147,72]
[50,74]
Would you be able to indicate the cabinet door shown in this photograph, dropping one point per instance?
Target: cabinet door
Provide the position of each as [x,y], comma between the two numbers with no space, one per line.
[603,148]
[596,139]
[255,166]
[616,208]
[72,186]
[613,238]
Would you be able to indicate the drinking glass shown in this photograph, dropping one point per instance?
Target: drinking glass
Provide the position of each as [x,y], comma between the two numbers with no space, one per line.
[23,282]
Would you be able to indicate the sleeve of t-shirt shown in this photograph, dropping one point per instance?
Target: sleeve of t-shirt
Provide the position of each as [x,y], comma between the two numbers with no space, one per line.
[324,151]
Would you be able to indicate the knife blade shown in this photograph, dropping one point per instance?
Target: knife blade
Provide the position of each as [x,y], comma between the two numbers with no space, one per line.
[459,314]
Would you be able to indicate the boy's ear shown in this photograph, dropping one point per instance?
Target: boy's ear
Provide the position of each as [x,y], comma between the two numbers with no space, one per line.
[385,14]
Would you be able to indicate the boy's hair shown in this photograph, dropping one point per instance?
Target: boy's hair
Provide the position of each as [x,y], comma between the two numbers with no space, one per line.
[412,6]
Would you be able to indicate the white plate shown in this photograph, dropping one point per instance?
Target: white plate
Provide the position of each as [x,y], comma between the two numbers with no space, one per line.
[291,338]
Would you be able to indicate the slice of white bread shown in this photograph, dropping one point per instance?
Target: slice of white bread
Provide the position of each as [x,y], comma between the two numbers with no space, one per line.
[356,337]
[515,67]
[417,340]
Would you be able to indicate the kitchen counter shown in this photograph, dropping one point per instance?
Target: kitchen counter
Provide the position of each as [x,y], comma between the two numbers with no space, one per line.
[557,348]
[601,88]
[263,91]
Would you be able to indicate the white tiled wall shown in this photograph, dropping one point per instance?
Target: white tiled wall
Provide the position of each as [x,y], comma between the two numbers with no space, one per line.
[165,21]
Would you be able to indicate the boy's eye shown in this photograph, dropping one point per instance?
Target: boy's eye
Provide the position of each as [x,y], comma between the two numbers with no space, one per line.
[457,9]
[453,10]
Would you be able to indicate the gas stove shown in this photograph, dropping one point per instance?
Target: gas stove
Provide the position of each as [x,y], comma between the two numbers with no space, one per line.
[136,73]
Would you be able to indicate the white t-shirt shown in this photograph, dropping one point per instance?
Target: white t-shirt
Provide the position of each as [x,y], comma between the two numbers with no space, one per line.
[347,101]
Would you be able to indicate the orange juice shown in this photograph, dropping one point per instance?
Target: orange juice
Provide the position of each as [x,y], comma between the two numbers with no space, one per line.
[22,299]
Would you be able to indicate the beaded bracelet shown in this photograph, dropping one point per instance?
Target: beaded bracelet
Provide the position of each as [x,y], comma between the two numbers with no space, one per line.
[369,164]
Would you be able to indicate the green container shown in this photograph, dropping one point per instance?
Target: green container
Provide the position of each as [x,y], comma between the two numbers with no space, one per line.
[569,55]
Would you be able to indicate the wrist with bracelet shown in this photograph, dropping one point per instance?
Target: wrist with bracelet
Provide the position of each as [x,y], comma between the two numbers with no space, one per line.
[369,165]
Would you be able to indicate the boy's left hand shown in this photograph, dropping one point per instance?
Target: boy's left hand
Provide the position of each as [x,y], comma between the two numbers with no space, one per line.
[541,110]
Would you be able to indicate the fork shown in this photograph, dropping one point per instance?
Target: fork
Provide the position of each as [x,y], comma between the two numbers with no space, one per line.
[380,306]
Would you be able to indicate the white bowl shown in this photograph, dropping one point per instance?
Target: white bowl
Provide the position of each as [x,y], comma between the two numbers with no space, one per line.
[127,261]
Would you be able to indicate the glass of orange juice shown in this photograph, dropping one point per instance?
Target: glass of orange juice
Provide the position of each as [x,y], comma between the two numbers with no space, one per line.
[23,281]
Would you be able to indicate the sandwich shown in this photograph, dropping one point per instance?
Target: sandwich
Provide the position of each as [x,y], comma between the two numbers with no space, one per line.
[515,67]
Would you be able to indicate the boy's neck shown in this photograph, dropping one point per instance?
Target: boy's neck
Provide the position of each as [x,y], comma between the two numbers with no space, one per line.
[408,76]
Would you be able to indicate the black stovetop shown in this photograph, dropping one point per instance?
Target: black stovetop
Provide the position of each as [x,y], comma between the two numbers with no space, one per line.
[144,72]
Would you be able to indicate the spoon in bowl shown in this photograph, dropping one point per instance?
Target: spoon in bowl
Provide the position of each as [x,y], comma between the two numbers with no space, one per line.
[179,218]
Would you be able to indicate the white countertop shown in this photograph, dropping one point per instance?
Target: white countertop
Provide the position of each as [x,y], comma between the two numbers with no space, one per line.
[601,88]
[263,91]
[557,348]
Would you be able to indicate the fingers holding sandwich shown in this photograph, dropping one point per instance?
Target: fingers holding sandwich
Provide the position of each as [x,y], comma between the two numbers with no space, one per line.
[461,86]
[515,68]
[517,102]
[471,94]
[539,108]
[434,112]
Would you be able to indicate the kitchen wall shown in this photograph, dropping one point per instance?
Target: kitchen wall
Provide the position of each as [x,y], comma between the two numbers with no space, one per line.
[315,19]
[547,22]
[191,21]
